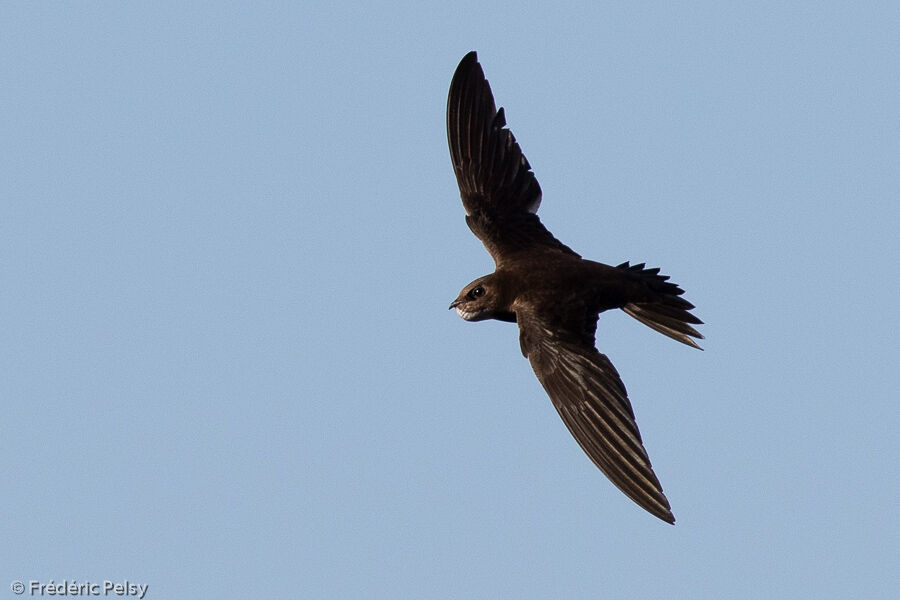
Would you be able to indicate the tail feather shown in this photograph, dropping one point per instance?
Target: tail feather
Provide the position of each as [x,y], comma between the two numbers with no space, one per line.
[664,310]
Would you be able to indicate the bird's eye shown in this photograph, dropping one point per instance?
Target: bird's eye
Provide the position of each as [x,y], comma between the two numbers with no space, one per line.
[477,292]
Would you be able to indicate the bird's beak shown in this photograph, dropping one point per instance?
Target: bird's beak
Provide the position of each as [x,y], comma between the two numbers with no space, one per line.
[455,303]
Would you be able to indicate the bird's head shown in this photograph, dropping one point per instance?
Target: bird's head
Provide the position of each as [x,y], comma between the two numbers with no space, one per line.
[484,298]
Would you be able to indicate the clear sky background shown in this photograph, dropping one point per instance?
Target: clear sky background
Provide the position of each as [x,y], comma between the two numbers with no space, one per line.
[229,234]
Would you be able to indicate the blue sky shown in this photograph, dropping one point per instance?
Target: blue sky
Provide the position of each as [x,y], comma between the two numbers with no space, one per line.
[229,234]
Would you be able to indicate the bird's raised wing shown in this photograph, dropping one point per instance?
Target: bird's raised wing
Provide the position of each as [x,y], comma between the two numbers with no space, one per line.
[591,399]
[499,191]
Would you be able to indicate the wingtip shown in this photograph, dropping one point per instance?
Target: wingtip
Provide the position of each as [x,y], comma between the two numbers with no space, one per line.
[688,341]
[466,67]
[663,513]
[471,58]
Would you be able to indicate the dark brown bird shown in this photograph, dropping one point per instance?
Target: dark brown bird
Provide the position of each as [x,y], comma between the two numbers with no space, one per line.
[552,293]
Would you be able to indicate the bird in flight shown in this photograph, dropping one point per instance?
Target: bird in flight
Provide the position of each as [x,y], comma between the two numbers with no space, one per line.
[553,294]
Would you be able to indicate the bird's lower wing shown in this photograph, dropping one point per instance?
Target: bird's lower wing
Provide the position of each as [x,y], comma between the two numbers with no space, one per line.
[591,399]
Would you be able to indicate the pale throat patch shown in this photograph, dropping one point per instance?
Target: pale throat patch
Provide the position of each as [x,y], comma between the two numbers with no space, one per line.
[465,314]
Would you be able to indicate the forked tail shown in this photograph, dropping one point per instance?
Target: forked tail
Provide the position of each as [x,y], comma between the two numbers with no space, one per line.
[664,309]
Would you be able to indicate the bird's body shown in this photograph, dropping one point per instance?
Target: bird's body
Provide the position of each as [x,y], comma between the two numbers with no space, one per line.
[559,284]
[552,293]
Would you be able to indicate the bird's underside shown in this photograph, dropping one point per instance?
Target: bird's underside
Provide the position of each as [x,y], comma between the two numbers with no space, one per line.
[552,293]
